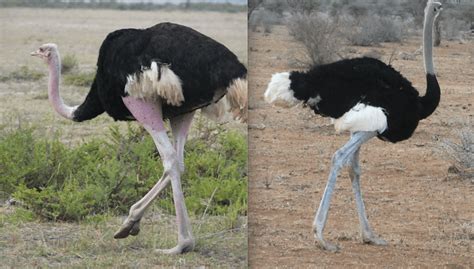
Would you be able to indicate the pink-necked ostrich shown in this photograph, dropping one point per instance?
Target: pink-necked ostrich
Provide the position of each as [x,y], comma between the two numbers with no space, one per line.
[164,72]
[367,98]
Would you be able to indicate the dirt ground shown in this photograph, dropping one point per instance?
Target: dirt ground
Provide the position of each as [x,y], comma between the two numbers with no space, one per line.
[426,217]
[80,33]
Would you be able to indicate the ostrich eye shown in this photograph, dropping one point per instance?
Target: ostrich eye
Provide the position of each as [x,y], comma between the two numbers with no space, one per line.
[41,49]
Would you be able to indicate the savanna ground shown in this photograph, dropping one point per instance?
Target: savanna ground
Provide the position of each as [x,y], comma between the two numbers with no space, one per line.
[26,241]
[426,216]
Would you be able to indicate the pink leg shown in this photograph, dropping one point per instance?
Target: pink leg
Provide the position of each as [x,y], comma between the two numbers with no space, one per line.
[150,115]
[180,126]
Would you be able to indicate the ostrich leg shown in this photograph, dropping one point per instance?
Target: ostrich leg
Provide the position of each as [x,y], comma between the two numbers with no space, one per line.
[341,157]
[366,232]
[131,226]
[180,127]
[150,115]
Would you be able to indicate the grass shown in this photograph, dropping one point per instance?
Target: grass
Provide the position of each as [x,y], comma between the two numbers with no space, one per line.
[71,74]
[79,79]
[68,63]
[22,74]
[25,243]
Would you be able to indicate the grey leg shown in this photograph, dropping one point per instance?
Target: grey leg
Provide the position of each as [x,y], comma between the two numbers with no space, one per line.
[366,232]
[341,157]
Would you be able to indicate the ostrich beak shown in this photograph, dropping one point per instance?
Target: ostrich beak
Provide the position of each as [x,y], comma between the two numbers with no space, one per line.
[35,53]
[41,54]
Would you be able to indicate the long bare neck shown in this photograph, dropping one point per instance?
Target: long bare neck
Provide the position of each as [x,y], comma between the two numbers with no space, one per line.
[53,88]
[429,102]
[428,44]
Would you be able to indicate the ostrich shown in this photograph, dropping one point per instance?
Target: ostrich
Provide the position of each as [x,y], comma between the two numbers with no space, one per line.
[167,71]
[367,98]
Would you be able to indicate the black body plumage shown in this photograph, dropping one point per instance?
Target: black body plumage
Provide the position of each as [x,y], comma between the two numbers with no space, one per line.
[343,84]
[203,65]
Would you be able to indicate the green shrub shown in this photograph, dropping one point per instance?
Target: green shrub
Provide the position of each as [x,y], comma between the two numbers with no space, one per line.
[104,176]
[23,73]
[68,63]
[17,216]
[79,79]
[221,169]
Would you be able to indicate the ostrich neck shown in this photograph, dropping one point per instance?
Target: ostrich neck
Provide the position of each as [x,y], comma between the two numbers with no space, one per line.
[428,44]
[430,100]
[53,89]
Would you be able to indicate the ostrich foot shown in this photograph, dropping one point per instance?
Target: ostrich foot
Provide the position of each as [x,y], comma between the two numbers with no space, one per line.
[182,247]
[373,240]
[129,227]
[327,246]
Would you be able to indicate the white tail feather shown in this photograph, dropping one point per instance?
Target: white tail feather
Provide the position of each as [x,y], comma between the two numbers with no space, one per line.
[235,101]
[279,92]
[148,86]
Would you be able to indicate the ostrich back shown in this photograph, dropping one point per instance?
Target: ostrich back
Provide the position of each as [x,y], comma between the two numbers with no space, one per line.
[204,66]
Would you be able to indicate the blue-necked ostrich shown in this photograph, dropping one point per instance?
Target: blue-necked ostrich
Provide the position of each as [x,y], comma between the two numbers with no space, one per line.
[367,98]
[163,72]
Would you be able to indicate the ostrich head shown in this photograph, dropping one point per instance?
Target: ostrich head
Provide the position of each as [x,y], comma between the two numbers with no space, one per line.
[47,52]
[433,9]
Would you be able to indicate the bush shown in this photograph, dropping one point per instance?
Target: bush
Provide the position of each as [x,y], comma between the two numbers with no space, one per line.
[372,30]
[461,153]
[467,15]
[303,6]
[357,11]
[454,28]
[276,6]
[416,10]
[80,79]
[57,182]
[23,73]
[264,18]
[253,5]
[320,36]
[68,63]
